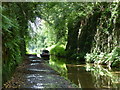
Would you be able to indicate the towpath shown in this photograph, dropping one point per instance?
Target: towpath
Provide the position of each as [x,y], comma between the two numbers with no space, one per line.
[34,73]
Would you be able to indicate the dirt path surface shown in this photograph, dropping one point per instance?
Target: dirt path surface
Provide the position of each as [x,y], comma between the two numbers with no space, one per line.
[35,74]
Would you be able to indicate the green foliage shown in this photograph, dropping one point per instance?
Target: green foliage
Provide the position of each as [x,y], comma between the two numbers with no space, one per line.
[11,56]
[91,57]
[111,59]
[105,46]
[58,50]
[57,17]
[14,33]
[77,56]
[115,57]
[59,25]
[58,64]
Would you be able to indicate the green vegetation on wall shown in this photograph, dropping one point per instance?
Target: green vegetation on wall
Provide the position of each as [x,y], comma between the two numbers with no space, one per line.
[14,34]
[86,29]
[106,43]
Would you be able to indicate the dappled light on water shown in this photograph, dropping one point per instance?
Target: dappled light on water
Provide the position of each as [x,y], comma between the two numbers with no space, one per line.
[87,75]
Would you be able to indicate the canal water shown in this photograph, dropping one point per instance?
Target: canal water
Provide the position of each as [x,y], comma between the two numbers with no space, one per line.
[86,75]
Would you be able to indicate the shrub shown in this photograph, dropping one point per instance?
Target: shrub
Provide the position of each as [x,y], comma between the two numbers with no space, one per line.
[92,57]
[58,50]
[111,59]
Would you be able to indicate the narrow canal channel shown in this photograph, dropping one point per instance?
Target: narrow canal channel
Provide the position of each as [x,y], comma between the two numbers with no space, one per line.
[86,75]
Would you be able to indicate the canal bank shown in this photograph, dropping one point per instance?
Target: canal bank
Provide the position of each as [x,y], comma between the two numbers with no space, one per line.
[33,73]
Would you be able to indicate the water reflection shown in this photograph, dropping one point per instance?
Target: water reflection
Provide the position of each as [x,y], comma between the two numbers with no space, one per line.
[104,77]
[87,75]
[58,65]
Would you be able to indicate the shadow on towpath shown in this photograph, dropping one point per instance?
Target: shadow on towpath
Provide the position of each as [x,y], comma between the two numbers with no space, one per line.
[34,73]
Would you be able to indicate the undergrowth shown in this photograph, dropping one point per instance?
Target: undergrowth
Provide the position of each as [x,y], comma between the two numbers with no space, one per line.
[58,50]
[111,59]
